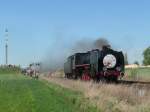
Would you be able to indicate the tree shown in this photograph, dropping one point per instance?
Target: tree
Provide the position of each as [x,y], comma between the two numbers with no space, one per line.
[146,55]
[136,62]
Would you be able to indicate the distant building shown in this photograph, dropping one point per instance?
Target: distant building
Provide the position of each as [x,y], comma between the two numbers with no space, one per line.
[132,66]
[136,66]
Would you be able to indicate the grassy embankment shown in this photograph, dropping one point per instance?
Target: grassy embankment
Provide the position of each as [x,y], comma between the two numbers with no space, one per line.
[111,97]
[142,74]
[23,94]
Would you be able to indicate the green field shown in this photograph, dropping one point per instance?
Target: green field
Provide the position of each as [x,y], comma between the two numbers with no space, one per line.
[138,74]
[20,93]
[24,94]
[9,70]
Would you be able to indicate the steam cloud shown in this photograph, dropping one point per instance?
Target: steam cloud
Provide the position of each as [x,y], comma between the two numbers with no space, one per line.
[99,43]
[86,45]
[56,58]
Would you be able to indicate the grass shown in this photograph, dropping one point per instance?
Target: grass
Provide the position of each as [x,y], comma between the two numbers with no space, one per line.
[110,97]
[23,94]
[9,70]
[138,74]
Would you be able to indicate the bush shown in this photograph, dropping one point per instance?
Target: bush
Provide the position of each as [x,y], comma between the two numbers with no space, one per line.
[9,69]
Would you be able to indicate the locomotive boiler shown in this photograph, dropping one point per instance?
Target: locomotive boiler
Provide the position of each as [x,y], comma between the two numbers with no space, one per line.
[95,64]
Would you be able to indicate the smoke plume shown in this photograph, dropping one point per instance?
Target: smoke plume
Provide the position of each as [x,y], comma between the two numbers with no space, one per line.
[57,56]
[99,43]
[89,44]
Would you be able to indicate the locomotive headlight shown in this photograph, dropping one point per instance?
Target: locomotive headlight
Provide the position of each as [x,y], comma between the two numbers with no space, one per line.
[118,69]
[109,61]
[104,69]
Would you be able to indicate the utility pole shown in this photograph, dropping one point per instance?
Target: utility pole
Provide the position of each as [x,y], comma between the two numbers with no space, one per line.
[6,46]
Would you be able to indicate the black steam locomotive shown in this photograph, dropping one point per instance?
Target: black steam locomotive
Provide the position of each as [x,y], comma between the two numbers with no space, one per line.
[96,64]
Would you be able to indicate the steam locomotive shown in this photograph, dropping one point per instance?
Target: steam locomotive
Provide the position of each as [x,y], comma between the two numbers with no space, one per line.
[96,64]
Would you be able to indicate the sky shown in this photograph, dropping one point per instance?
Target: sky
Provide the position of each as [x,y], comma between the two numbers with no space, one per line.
[37,28]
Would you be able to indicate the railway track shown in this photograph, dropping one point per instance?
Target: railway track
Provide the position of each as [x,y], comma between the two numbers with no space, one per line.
[133,82]
[138,84]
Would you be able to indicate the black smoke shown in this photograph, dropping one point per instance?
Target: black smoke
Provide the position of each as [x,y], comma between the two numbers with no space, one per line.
[56,57]
[85,45]
[99,43]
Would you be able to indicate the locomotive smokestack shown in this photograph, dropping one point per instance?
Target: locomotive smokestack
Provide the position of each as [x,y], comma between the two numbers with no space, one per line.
[106,47]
